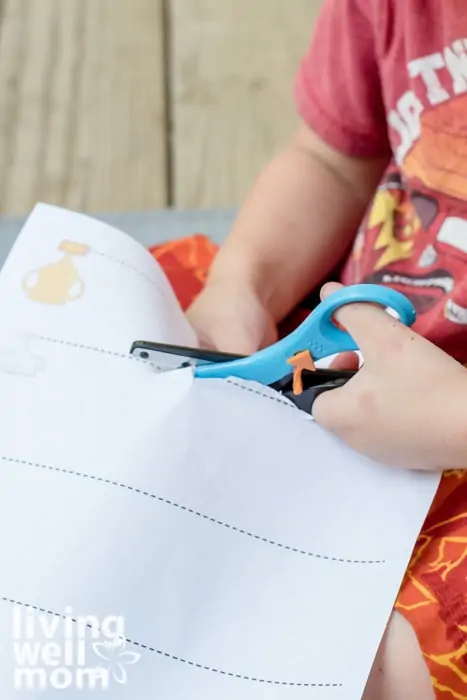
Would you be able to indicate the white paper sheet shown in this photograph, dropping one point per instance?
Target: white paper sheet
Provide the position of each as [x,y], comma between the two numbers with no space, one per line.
[237,549]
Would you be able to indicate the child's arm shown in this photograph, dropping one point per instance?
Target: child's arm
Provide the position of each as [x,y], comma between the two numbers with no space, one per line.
[295,226]
[306,205]
[299,220]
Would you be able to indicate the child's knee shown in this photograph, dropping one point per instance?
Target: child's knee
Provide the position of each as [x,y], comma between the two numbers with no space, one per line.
[399,671]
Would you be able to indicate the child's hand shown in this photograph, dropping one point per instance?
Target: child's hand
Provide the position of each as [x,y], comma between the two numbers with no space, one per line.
[407,405]
[229,316]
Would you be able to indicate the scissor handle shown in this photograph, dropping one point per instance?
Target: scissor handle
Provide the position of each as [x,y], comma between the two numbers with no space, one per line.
[326,338]
[318,333]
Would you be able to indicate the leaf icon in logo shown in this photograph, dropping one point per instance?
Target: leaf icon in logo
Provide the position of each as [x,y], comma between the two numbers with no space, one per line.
[113,651]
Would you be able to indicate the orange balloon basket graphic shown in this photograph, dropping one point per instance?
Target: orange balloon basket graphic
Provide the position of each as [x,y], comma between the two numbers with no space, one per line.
[58,282]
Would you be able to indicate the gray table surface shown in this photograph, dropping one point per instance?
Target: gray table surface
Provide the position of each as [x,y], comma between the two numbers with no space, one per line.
[149,227]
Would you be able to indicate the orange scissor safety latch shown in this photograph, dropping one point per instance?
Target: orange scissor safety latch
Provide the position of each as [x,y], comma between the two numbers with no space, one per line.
[301,361]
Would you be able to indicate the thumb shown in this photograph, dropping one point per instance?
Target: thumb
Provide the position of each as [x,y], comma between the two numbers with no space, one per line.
[372,328]
[330,288]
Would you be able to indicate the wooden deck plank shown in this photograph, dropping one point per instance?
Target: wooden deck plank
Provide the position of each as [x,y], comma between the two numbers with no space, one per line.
[82,111]
[232,67]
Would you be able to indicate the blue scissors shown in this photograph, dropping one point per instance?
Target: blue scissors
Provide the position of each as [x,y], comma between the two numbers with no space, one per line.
[316,338]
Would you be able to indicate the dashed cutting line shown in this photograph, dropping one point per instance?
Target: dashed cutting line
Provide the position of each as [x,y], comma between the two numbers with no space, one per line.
[263,394]
[191,511]
[102,351]
[131,268]
[132,358]
[181,660]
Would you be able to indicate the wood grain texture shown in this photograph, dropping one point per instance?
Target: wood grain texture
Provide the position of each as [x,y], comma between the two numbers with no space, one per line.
[84,121]
[82,109]
[232,68]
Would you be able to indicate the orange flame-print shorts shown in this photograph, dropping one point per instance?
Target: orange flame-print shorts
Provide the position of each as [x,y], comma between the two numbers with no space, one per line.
[433,596]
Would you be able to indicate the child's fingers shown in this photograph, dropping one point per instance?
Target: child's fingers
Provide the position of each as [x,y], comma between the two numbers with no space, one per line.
[335,410]
[345,361]
[377,334]
[373,329]
[330,288]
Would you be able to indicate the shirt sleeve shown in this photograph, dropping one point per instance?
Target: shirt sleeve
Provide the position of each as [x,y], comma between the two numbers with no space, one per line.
[338,88]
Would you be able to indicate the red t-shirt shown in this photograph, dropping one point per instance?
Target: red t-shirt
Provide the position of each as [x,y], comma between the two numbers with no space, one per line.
[389,77]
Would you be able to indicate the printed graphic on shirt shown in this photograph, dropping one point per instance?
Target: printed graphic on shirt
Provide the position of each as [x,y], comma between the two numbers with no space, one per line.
[414,237]
[436,79]
[393,247]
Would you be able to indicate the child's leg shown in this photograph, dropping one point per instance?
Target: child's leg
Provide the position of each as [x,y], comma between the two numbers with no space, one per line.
[399,671]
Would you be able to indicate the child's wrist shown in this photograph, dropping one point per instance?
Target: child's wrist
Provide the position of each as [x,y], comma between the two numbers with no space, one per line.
[237,274]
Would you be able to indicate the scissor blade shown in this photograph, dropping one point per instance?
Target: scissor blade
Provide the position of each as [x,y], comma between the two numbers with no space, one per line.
[169,356]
